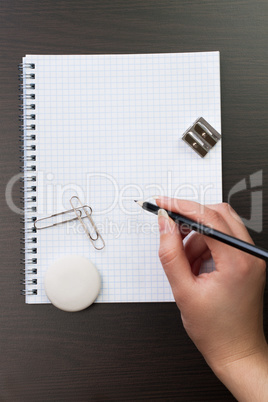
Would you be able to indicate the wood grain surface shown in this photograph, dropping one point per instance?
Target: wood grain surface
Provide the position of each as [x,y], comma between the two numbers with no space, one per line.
[124,352]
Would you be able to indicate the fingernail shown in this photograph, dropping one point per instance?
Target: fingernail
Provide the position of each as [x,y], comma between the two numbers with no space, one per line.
[163,212]
[155,197]
[163,221]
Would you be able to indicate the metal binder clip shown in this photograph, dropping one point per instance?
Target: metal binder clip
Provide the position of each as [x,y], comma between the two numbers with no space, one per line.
[97,233]
[201,137]
[81,212]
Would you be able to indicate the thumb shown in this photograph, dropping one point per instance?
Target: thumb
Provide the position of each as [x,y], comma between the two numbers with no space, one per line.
[172,255]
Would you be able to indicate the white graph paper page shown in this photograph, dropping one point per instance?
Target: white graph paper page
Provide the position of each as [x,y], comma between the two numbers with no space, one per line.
[108,129]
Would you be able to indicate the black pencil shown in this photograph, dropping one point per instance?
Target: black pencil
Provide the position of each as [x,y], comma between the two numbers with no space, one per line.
[207,231]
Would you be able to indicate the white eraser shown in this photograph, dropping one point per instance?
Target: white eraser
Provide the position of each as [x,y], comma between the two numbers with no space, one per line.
[72,283]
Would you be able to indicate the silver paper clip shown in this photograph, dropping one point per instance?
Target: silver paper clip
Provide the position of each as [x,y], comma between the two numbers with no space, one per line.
[40,227]
[81,212]
[79,217]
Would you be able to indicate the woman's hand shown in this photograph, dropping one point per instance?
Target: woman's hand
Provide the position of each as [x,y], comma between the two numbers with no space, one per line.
[222,311]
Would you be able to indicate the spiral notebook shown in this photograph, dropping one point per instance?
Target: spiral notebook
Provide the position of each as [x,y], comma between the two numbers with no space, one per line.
[108,128]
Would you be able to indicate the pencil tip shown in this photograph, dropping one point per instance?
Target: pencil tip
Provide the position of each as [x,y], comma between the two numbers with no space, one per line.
[140,203]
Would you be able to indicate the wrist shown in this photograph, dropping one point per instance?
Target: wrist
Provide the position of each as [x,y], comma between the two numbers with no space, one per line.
[246,375]
[239,359]
[240,346]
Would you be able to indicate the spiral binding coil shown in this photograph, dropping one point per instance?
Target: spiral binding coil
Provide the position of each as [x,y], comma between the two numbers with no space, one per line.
[28,181]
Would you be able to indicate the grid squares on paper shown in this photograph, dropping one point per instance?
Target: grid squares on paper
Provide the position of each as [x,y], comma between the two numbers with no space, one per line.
[108,129]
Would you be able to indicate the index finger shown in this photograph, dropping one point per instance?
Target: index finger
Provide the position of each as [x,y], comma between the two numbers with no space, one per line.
[206,216]
[234,220]
[195,211]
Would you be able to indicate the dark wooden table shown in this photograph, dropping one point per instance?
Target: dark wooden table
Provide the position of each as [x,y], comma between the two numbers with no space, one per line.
[124,352]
